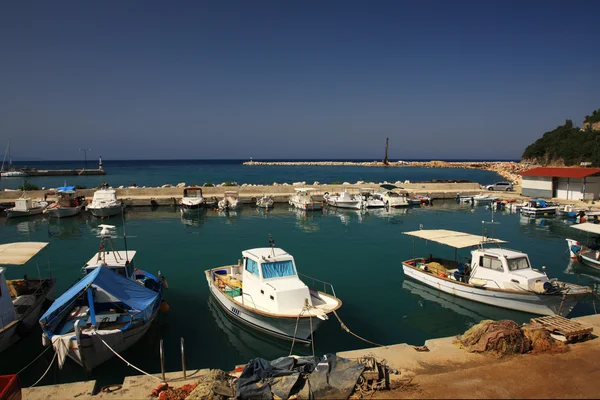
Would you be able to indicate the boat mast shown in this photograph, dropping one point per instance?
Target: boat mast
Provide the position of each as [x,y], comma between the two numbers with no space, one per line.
[7,151]
[385,160]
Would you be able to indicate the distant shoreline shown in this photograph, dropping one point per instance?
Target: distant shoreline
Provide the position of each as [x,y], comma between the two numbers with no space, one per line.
[509,170]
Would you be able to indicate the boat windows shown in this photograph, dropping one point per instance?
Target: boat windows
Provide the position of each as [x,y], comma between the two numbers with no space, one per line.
[491,263]
[252,266]
[278,269]
[518,263]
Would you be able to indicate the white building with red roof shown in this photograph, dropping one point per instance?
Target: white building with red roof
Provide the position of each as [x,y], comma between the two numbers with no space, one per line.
[562,183]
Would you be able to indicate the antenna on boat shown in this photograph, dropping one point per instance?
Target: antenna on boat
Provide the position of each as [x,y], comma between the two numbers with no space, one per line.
[272,245]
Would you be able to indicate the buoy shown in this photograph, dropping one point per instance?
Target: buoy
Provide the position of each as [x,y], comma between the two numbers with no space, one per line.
[164,306]
[472,210]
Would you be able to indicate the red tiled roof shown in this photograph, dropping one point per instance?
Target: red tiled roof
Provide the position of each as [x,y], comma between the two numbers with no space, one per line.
[562,172]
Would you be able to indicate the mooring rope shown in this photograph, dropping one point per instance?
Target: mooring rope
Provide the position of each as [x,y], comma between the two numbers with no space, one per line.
[47,369]
[34,360]
[344,327]
[124,360]
[296,330]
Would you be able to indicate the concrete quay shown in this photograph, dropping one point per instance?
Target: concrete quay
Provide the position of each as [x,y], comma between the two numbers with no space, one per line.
[445,371]
[169,196]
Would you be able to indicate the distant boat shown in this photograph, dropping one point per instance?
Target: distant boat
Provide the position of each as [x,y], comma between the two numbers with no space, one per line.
[345,200]
[231,201]
[265,202]
[192,199]
[11,171]
[538,208]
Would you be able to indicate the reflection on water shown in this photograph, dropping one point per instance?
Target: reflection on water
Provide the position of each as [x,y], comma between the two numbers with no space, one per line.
[346,216]
[248,342]
[307,221]
[470,309]
[65,228]
[194,217]
[583,270]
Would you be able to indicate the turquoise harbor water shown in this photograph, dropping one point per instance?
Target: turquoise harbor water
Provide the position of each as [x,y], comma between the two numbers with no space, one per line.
[360,253]
[153,173]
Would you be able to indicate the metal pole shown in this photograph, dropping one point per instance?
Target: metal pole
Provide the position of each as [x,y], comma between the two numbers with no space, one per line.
[85,155]
[183,360]
[162,361]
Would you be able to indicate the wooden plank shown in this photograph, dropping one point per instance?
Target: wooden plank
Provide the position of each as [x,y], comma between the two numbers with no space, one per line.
[565,326]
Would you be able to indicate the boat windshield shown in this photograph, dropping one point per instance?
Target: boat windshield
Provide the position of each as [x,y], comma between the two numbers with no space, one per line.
[278,269]
[518,263]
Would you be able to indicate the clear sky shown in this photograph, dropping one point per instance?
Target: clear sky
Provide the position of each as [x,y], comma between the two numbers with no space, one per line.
[293,79]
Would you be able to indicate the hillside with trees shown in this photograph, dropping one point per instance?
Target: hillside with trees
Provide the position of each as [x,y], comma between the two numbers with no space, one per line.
[567,145]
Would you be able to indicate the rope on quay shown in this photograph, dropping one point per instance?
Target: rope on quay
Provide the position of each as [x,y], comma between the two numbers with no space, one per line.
[34,360]
[47,369]
[344,327]
[124,360]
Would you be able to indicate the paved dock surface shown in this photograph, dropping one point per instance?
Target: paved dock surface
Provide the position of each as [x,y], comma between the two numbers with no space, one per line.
[444,372]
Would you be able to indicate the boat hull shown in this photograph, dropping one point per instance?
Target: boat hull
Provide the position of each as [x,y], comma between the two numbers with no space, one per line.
[63,212]
[12,213]
[529,302]
[107,211]
[352,205]
[583,254]
[307,206]
[538,211]
[282,327]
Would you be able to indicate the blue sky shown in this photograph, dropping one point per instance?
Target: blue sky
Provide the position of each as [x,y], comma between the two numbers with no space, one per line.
[293,79]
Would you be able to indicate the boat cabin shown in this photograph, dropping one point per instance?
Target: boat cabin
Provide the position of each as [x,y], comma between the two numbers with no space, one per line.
[67,197]
[104,196]
[231,193]
[271,281]
[193,191]
[505,269]
[23,204]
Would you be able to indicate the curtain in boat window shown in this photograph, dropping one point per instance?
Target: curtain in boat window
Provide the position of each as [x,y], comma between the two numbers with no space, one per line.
[278,269]
[252,266]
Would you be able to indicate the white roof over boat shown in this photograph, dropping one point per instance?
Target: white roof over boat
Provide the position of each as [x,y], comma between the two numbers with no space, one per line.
[508,253]
[113,258]
[588,227]
[454,239]
[266,254]
[19,253]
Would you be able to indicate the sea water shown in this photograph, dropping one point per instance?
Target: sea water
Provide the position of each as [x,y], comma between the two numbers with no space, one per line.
[155,173]
[360,253]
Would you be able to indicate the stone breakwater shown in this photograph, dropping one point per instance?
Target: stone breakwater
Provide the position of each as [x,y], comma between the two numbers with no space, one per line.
[509,170]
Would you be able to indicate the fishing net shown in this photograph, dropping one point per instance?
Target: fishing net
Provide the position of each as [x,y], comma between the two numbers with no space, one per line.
[541,341]
[500,337]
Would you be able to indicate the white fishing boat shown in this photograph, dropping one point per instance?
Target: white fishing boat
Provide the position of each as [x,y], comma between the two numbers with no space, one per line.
[392,198]
[303,200]
[21,300]
[484,199]
[10,171]
[192,199]
[25,207]
[231,201]
[495,276]
[111,307]
[68,203]
[105,203]
[588,253]
[265,202]
[371,199]
[265,292]
[345,200]
[537,208]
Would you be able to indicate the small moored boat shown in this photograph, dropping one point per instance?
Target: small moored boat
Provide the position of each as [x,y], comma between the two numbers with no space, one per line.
[111,307]
[265,292]
[192,199]
[345,200]
[537,208]
[68,203]
[105,203]
[25,207]
[304,200]
[21,300]
[495,276]
[588,254]
[265,202]
[231,201]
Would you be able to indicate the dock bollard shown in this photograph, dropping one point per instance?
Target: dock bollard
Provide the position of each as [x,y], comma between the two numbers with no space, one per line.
[162,361]
[183,360]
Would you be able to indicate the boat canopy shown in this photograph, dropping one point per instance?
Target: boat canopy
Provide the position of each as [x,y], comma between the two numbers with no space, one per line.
[388,186]
[66,189]
[588,227]
[454,239]
[19,253]
[125,290]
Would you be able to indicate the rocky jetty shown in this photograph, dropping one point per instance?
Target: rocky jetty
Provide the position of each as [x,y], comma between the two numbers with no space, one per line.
[509,170]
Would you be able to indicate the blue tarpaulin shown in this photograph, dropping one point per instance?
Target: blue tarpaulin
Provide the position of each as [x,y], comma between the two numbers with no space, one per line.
[66,189]
[125,290]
